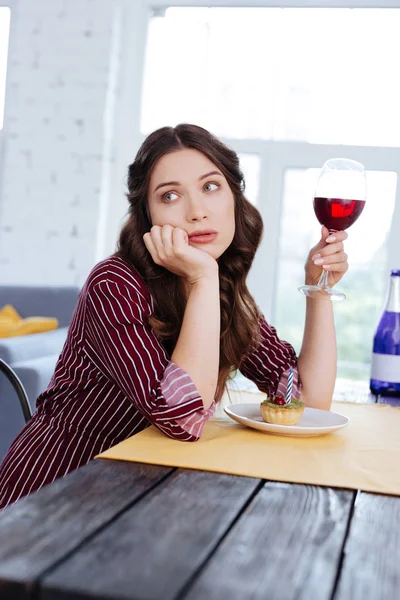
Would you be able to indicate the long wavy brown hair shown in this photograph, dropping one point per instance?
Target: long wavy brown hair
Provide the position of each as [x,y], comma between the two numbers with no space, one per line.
[239,312]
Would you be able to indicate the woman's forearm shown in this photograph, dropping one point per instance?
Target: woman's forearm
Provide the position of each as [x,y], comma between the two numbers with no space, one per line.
[318,357]
[197,348]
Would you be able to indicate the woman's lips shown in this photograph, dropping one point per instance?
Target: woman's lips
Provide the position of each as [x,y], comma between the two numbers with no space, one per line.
[203,239]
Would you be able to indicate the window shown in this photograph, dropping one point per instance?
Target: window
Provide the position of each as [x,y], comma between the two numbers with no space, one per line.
[4,33]
[273,73]
[365,284]
[275,84]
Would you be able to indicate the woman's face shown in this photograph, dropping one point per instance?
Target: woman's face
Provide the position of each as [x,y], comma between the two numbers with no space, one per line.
[187,190]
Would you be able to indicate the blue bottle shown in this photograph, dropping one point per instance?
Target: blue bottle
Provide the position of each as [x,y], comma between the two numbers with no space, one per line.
[385,367]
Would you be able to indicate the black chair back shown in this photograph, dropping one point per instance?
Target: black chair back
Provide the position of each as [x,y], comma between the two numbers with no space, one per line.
[19,389]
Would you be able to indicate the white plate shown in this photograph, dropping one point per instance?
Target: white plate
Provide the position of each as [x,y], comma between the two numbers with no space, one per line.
[313,422]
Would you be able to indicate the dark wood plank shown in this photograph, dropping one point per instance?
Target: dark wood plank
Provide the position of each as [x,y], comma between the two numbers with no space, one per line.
[42,528]
[371,566]
[153,549]
[287,545]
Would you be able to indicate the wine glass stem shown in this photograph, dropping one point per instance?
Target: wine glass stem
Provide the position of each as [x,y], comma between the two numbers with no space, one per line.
[324,279]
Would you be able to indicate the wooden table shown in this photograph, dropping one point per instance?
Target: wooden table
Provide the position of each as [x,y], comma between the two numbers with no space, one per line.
[118,530]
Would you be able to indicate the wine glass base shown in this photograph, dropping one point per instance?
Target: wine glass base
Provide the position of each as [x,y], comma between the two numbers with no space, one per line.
[314,291]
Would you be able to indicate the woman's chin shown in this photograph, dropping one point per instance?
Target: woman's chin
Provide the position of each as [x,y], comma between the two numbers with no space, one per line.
[214,252]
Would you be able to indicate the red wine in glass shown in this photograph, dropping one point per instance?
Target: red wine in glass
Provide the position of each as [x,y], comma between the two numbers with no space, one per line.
[337,214]
[339,199]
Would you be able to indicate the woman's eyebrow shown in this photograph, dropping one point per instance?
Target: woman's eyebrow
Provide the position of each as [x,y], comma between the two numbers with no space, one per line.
[177,183]
[209,174]
[166,183]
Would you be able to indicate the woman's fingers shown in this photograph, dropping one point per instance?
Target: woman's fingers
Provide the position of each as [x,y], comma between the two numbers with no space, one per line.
[154,244]
[340,267]
[330,259]
[333,247]
[155,233]
[338,236]
[169,247]
[329,255]
[180,241]
[151,247]
[329,250]
[160,241]
[165,242]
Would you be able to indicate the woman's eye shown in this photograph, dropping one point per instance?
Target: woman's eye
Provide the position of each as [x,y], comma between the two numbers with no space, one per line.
[169,197]
[211,186]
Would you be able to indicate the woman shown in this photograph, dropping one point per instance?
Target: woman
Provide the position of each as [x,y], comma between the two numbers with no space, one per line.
[160,324]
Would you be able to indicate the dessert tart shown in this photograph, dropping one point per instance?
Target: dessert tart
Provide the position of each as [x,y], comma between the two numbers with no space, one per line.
[276,411]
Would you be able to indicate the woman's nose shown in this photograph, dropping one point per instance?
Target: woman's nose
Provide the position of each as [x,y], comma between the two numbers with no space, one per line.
[196,210]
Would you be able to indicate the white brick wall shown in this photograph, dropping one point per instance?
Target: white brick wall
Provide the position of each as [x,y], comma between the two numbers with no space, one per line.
[58,153]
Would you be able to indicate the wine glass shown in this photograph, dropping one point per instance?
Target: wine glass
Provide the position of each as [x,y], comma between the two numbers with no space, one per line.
[339,200]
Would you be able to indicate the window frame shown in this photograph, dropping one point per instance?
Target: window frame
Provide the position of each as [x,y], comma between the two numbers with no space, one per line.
[275,156]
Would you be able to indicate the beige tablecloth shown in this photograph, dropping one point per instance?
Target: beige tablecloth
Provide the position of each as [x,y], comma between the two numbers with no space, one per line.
[365,455]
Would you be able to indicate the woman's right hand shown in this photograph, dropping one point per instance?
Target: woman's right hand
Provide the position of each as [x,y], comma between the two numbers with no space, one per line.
[169,247]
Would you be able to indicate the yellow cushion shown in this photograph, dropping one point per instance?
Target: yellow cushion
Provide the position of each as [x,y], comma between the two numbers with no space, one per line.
[35,325]
[12,324]
[6,328]
[9,313]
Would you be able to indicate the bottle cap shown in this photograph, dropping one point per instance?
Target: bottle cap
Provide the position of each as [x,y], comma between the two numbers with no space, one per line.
[395,273]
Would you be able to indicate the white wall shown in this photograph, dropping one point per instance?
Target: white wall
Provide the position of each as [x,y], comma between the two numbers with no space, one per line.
[60,148]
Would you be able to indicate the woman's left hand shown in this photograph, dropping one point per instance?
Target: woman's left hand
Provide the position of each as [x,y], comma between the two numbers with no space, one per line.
[328,255]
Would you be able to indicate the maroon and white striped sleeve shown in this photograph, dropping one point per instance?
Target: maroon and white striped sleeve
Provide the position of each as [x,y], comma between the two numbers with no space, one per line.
[126,349]
[267,363]
[176,381]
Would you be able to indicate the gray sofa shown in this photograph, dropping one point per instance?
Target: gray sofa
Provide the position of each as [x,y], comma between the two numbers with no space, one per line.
[32,357]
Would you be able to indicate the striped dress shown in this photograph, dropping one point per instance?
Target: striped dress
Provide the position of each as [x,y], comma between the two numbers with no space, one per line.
[114,378]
